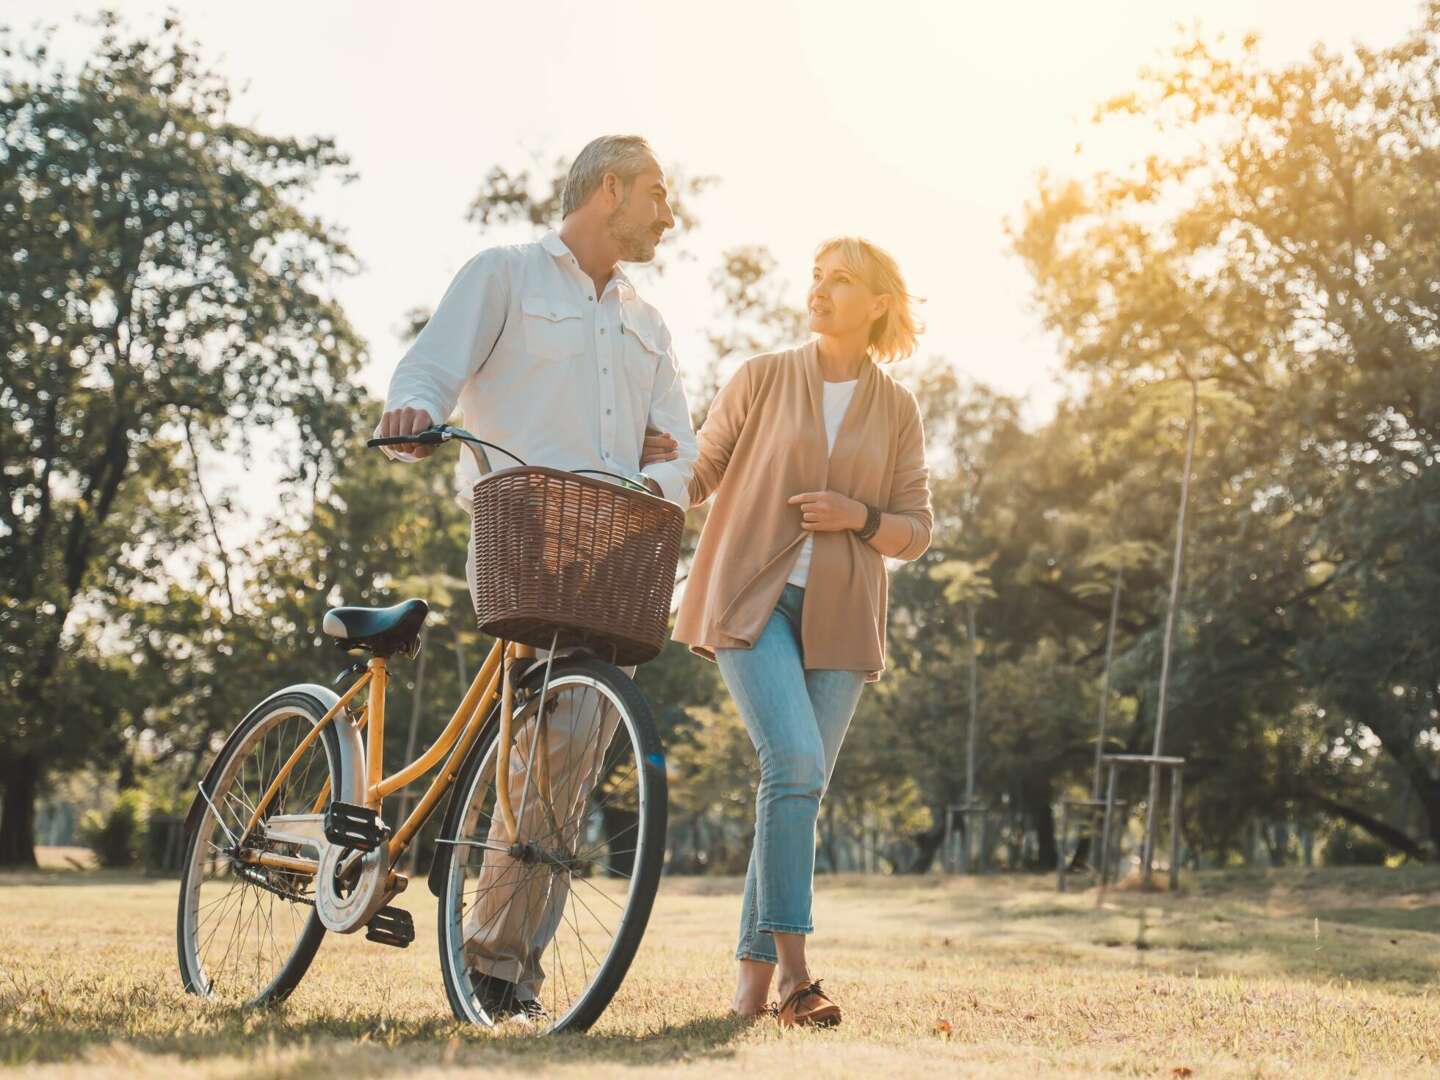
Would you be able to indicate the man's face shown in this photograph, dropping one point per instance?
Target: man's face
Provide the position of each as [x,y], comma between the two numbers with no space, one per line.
[643,214]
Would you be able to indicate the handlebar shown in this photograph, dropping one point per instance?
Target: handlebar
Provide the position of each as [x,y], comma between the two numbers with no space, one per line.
[443,433]
[428,437]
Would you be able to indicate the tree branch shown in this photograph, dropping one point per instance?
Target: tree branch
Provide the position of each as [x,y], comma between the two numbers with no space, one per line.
[1386,834]
[210,516]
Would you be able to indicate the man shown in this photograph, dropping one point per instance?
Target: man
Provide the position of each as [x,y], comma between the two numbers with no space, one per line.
[551,353]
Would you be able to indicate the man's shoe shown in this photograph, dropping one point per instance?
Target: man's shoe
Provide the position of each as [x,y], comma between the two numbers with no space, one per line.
[501,1000]
[807,1006]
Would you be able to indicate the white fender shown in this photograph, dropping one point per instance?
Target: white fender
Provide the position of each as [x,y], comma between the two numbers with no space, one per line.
[345,914]
[352,749]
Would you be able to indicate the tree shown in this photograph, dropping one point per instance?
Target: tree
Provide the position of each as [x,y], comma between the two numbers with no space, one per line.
[1286,256]
[162,274]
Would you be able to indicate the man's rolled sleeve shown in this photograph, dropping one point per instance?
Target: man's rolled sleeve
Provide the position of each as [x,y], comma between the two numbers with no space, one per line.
[457,340]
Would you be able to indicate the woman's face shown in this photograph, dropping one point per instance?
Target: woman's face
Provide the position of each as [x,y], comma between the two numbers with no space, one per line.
[840,303]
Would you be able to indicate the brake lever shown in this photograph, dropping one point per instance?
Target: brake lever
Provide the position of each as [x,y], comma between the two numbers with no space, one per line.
[477,451]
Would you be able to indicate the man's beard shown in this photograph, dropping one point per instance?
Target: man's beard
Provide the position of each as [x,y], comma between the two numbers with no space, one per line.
[635,242]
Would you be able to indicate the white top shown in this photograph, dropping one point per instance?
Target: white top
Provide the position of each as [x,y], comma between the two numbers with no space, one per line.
[837,400]
[542,368]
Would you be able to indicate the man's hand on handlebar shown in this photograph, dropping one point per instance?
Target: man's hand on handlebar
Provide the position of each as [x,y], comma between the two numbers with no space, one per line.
[406,421]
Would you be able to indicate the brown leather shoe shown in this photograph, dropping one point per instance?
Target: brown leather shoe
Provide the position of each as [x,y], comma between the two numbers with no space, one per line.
[808,1006]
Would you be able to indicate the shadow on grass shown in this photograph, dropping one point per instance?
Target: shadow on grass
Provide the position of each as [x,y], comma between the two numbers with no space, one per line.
[1422,920]
[1347,943]
[50,877]
[336,1043]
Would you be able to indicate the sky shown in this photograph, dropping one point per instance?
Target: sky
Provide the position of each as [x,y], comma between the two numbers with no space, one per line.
[922,126]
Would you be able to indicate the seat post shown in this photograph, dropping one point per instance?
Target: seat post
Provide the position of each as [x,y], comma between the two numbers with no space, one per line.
[375,735]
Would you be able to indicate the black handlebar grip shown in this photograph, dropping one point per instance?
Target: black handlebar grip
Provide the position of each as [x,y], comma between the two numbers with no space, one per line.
[428,437]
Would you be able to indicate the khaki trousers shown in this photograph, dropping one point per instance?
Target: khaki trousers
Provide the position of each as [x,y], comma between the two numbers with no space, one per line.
[521,905]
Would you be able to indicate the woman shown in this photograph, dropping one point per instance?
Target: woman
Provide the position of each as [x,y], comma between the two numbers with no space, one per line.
[816,459]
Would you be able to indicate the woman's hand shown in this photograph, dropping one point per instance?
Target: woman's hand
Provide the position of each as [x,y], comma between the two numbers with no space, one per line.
[828,511]
[658,446]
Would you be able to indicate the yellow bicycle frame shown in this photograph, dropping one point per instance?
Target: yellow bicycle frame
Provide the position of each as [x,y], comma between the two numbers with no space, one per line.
[459,735]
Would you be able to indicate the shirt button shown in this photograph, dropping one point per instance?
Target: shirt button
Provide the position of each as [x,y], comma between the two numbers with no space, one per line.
[607,412]
[602,329]
[604,371]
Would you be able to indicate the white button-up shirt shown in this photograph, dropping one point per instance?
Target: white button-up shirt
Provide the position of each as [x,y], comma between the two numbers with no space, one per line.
[542,366]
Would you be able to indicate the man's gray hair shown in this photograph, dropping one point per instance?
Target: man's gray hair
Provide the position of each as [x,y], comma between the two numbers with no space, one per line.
[627,156]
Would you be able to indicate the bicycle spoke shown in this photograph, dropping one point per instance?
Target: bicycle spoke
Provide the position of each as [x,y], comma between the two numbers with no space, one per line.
[601,892]
[575,898]
[582,825]
[243,925]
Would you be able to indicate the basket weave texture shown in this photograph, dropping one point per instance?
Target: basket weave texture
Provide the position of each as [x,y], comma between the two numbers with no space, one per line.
[555,551]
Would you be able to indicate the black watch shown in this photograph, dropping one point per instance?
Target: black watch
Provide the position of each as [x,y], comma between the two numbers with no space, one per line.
[872,523]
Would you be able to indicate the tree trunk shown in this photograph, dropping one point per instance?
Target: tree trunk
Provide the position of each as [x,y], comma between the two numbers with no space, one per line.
[1427,790]
[1047,854]
[1386,834]
[927,846]
[17,811]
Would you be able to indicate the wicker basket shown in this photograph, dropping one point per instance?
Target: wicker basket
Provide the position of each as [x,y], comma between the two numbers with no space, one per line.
[555,551]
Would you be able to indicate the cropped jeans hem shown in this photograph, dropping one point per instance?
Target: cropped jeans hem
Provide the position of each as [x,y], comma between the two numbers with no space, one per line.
[783,928]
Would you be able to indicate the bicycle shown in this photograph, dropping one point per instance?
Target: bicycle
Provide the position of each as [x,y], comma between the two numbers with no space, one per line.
[544,895]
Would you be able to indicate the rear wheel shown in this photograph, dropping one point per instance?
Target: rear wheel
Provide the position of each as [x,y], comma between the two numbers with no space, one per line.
[246,932]
[546,928]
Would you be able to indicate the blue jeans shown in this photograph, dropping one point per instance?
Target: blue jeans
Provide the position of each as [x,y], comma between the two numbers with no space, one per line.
[797,720]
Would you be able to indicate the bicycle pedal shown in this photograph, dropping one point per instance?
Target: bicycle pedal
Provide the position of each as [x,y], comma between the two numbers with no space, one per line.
[356,827]
[391,926]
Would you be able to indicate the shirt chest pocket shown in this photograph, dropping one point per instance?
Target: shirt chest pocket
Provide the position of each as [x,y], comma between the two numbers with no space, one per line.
[640,352]
[553,331]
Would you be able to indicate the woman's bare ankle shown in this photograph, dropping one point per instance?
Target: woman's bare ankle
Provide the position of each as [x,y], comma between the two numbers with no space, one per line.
[752,987]
[748,1009]
[787,983]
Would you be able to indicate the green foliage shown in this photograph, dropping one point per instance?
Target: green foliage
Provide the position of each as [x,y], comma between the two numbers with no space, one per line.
[168,301]
[1351,847]
[116,837]
[163,284]
[1283,256]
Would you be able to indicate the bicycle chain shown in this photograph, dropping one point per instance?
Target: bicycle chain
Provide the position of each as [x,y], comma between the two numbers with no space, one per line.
[262,879]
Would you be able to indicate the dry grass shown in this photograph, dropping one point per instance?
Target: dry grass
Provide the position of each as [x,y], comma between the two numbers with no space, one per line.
[1315,974]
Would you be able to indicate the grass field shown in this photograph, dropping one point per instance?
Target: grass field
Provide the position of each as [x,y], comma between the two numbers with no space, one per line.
[1307,973]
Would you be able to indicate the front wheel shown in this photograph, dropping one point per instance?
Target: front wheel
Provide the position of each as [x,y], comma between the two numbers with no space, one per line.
[544,928]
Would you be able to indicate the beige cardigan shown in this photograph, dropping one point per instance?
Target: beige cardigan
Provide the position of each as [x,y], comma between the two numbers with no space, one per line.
[763,442]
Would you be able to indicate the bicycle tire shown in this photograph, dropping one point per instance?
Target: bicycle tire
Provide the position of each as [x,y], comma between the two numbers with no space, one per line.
[636,719]
[229,762]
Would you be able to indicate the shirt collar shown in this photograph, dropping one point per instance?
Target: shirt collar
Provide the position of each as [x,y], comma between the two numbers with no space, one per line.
[552,243]
[557,247]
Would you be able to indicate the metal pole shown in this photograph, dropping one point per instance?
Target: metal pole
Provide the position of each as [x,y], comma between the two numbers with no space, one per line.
[1105,682]
[964,852]
[1176,779]
[974,700]
[946,838]
[1147,845]
[1106,829]
[1060,855]
[1150,816]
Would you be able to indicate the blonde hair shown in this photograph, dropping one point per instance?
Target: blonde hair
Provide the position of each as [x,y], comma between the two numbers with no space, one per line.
[893,335]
